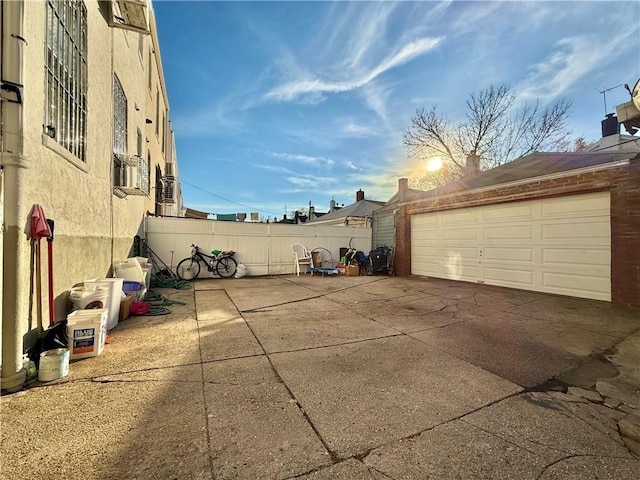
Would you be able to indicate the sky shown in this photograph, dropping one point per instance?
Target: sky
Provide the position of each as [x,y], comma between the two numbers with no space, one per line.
[278,104]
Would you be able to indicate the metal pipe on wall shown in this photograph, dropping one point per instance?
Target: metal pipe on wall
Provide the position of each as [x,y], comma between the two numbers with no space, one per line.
[15,253]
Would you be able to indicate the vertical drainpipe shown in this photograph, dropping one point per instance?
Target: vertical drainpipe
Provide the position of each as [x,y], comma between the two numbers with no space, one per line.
[15,269]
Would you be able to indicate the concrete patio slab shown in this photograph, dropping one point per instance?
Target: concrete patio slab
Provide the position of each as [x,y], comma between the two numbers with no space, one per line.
[417,321]
[240,371]
[166,344]
[305,306]
[363,395]
[496,344]
[258,431]
[599,317]
[331,283]
[456,450]
[268,294]
[280,333]
[187,373]
[99,431]
[172,397]
[545,429]
[214,305]
[350,469]
[582,468]
[227,339]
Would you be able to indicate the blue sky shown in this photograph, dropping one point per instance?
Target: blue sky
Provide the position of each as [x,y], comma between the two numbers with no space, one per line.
[278,104]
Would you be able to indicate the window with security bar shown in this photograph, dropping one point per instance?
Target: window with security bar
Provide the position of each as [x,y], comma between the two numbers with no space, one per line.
[119,117]
[66,73]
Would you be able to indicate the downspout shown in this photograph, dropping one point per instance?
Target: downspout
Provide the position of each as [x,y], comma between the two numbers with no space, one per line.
[15,268]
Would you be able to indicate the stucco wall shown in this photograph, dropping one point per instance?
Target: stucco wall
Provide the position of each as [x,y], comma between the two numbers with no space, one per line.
[92,226]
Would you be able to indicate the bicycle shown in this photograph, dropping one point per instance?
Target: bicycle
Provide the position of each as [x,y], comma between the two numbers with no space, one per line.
[219,263]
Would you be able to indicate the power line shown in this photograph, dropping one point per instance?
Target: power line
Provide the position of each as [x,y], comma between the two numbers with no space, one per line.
[225,199]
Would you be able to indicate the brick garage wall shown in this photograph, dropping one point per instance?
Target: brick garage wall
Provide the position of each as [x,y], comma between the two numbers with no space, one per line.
[624,185]
[625,237]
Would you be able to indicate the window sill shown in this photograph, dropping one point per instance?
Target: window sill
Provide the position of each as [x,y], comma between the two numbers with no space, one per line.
[51,144]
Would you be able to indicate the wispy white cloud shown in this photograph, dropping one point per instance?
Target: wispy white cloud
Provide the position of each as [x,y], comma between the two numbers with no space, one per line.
[305,159]
[295,89]
[354,129]
[573,58]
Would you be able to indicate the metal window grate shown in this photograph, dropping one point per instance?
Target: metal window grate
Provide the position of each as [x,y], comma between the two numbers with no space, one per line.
[119,117]
[66,74]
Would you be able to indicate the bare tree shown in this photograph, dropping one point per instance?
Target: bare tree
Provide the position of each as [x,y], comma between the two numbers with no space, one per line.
[494,127]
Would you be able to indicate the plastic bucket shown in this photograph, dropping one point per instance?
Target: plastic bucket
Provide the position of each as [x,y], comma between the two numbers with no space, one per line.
[89,297]
[115,296]
[86,332]
[54,364]
[129,269]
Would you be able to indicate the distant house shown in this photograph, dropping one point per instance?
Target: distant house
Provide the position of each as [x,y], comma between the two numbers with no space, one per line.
[358,214]
[564,223]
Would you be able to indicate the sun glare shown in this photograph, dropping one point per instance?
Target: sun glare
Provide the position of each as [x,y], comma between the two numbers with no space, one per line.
[434,164]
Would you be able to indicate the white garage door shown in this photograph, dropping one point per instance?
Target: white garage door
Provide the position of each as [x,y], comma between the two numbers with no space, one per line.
[558,245]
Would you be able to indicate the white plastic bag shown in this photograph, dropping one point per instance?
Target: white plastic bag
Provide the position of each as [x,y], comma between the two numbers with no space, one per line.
[241,271]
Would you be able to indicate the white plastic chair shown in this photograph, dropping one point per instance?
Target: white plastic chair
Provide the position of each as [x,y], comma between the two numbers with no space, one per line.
[301,255]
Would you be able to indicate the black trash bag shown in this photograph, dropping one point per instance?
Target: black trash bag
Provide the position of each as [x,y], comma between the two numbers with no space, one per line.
[52,338]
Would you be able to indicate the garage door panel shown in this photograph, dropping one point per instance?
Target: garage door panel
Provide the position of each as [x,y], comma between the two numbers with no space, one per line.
[460,234]
[459,271]
[585,286]
[509,233]
[576,257]
[578,206]
[506,277]
[424,221]
[557,245]
[506,254]
[508,212]
[585,232]
[453,217]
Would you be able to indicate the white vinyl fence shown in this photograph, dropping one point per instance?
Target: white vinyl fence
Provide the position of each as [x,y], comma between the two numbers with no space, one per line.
[264,248]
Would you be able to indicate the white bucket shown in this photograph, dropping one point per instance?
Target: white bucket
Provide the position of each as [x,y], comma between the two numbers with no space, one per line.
[54,364]
[87,332]
[115,297]
[89,297]
[128,269]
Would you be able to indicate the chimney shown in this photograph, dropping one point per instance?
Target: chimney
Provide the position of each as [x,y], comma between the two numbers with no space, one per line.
[241,217]
[312,212]
[332,205]
[296,217]
[403,186]
[610,125]
[473,163]
[359,195]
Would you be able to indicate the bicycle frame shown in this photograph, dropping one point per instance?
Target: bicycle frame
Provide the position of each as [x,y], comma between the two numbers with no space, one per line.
[219,263]
[208,260]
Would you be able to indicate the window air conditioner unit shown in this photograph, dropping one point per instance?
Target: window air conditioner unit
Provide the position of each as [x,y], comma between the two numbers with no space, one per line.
[130,15]
[169,189]
[130,174]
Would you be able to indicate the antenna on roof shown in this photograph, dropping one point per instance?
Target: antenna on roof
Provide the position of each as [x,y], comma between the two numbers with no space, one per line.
[604,96]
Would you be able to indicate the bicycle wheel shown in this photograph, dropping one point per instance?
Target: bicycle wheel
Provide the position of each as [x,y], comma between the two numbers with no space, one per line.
[188,269]
[226,267]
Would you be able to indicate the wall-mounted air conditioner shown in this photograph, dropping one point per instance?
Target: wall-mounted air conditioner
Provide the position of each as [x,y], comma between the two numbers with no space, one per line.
[130,174]
[168,193]
[128,14]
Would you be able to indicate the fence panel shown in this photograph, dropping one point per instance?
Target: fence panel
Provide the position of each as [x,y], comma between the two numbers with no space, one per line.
[265,248]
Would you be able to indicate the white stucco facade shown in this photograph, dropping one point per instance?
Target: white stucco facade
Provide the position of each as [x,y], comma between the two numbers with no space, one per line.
[93,226]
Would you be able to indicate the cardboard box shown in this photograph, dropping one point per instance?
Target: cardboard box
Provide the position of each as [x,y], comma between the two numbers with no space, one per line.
[353,271]
[125,307]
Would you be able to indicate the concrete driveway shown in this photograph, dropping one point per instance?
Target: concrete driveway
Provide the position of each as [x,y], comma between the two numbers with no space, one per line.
[317,377]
